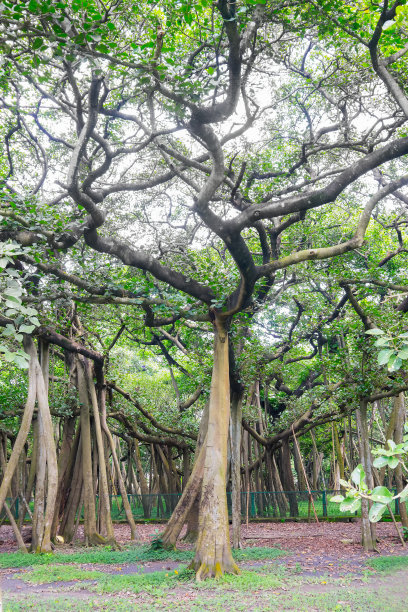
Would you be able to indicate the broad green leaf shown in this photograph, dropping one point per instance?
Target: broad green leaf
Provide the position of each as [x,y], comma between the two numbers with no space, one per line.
[382,342]
[375,332]
[384,356]
[38,42]
[26,329]
[394,363]
[350,504]
[380,462]
[404,494]
[358,475]
[381,495]
[393,462]
[376,512]
[337,499]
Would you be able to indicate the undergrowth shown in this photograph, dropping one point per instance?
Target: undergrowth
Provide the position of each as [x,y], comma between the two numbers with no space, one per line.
[388,564]
[129,555]
[157,582]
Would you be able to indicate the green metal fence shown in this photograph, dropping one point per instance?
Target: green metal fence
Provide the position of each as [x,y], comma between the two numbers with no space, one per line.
[255,505]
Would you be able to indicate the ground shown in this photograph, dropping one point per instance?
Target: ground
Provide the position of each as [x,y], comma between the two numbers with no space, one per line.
[285,566]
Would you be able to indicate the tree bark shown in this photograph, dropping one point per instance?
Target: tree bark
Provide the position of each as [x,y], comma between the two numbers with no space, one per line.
[399,434]
[92,537]
[122,488]
[213,554]
[24,427]
[368,530]
[104,505]
[235,437]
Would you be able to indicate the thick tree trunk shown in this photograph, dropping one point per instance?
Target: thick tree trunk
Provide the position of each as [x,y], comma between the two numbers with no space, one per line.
[213,554]
[51,453]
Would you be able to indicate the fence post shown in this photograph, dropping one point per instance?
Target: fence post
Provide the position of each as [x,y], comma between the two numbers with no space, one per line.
[324,500]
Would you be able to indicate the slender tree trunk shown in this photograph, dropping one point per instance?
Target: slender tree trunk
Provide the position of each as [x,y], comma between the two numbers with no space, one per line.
[66,460]
[399,434]
[39,499]
[25,424]
[122,488]
[73,507]
[235,437]
[288,481]
[144,487]
[104,505]
[213,554]
[92,537]
[368,529]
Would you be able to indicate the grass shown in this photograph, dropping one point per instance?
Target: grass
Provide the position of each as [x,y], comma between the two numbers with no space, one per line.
[157,582]
[133,554]
[267,587]
[56,573]
[388,564]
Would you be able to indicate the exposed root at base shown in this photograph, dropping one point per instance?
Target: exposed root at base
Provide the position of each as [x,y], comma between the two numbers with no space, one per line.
[95,539]
[204,570]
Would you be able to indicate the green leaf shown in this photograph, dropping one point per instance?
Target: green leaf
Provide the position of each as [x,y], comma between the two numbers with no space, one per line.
[404,494]
[384,356]
[381,495]
[403,353]
[26,329]
[393,462]
[382,342]
[337,499]
[380,462]
[350,504]
[375,332]
[38,42]
[376,512]
[358,475]
[394,363]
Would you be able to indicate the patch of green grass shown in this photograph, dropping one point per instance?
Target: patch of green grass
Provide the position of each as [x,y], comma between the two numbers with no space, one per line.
[95,555]
[258,553]
[158,582]
[58,573]
[388,564]
[65,602]
[129,555]
[249,581]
